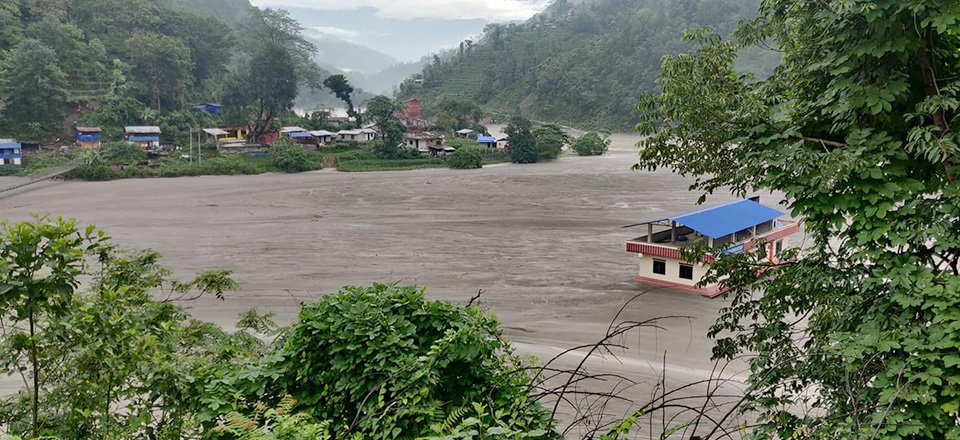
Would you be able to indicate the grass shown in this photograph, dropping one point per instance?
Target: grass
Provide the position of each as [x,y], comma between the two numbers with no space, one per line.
[391,164]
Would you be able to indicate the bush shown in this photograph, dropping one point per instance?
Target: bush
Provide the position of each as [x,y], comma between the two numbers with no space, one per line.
[466,158]
[401,361]
[591,144]
[122,153]
[94,172]
[294,159]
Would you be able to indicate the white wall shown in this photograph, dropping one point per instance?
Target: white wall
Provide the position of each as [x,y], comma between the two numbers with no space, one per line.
[645,265]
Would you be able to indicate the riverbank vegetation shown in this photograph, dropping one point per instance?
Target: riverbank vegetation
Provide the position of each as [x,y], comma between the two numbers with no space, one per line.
[120,357]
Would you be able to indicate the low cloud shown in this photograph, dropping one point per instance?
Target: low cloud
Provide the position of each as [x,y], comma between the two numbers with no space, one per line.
[490,10]
[333,31]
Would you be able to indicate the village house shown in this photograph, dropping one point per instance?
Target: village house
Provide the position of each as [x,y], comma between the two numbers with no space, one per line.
[734,227]
[147,137]
[229,140]
[357,136]
[300,136]
[466,133]
[368,134]
[11,154]
[412,116]
[487,141]
[422,142]
[323,137]
[87,138]
[503,142]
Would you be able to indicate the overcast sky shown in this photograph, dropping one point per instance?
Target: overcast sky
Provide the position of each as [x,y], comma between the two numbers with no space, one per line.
[489,10]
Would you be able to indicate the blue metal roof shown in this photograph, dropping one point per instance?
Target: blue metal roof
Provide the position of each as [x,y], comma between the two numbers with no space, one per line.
[299,134]
[144,138]
[726,219]
[485,139]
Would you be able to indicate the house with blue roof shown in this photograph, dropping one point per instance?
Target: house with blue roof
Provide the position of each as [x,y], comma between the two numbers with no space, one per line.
[11,154]
[87,138]
[147,137]
[487,141]
[736,227]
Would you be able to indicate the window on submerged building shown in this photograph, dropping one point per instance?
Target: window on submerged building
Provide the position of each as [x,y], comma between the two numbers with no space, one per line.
[686,271]
[659,267]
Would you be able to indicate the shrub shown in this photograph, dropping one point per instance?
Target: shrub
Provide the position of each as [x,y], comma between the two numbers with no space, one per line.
[294,159]
[376,362]
[122,153]
[390,164]
[466,158]
[94,172]
[550,139]
[591,144]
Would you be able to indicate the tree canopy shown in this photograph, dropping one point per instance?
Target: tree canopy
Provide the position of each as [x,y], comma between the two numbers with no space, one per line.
[853,336]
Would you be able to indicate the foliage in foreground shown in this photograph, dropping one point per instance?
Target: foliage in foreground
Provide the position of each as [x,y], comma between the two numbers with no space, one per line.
[857,337]
[122,359]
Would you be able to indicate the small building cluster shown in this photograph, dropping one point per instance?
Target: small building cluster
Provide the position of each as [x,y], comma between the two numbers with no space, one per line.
[146,136]
[734,227]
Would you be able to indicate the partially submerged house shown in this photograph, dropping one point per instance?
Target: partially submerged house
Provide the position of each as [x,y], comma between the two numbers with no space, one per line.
[147,137]
[734,227]
[87,138]
[11,154]
[487,141]
[422,142]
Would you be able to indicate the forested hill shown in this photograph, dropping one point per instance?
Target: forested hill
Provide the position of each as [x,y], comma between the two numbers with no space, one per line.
[580,62]
[133,62]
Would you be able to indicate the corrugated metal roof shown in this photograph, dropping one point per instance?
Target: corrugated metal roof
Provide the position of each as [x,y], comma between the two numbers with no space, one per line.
[88,129]
[145,129]
[9,142]
[144,138]
[299,134]
[465,131]
[321,133]
[214,131]
[292,129]
[349,132]
[727,219]
[486,139]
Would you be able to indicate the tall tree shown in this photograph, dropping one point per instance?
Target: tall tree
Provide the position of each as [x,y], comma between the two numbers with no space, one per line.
[164,64]
[340,86]
[523,146]
[256,95]
[32,85]
[856,128]
[550,139]
[382,110]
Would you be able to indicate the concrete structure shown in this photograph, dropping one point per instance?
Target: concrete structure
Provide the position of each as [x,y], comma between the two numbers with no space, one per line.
[11,154]
[503,142]
[412,116]
[732,228]
[422,142]
[323,137]
[367,134]
[87,138]
[466,133]
[147,137]
[358,136]
[487,141]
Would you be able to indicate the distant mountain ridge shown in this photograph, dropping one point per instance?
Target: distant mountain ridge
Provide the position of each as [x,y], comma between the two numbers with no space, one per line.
[582,62]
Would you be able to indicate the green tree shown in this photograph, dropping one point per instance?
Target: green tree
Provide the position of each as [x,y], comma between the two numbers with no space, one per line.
[163,63]
[256,95]
[466,158]
[591,144]
[856,130]
[454,114]
[523,146]
[550,139]
[32,86]
[382,111]
[40,263]
[341,88]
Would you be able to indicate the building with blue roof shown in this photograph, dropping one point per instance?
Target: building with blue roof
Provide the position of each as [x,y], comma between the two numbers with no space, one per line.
[487,141]
[87,138]
[11,154]
[734,227]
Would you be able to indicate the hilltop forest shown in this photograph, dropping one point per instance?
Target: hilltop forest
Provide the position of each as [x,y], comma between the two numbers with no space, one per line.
[580,62]
[130,62]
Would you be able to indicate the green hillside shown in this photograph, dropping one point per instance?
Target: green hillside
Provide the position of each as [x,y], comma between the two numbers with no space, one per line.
[132,62]
[584,63]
